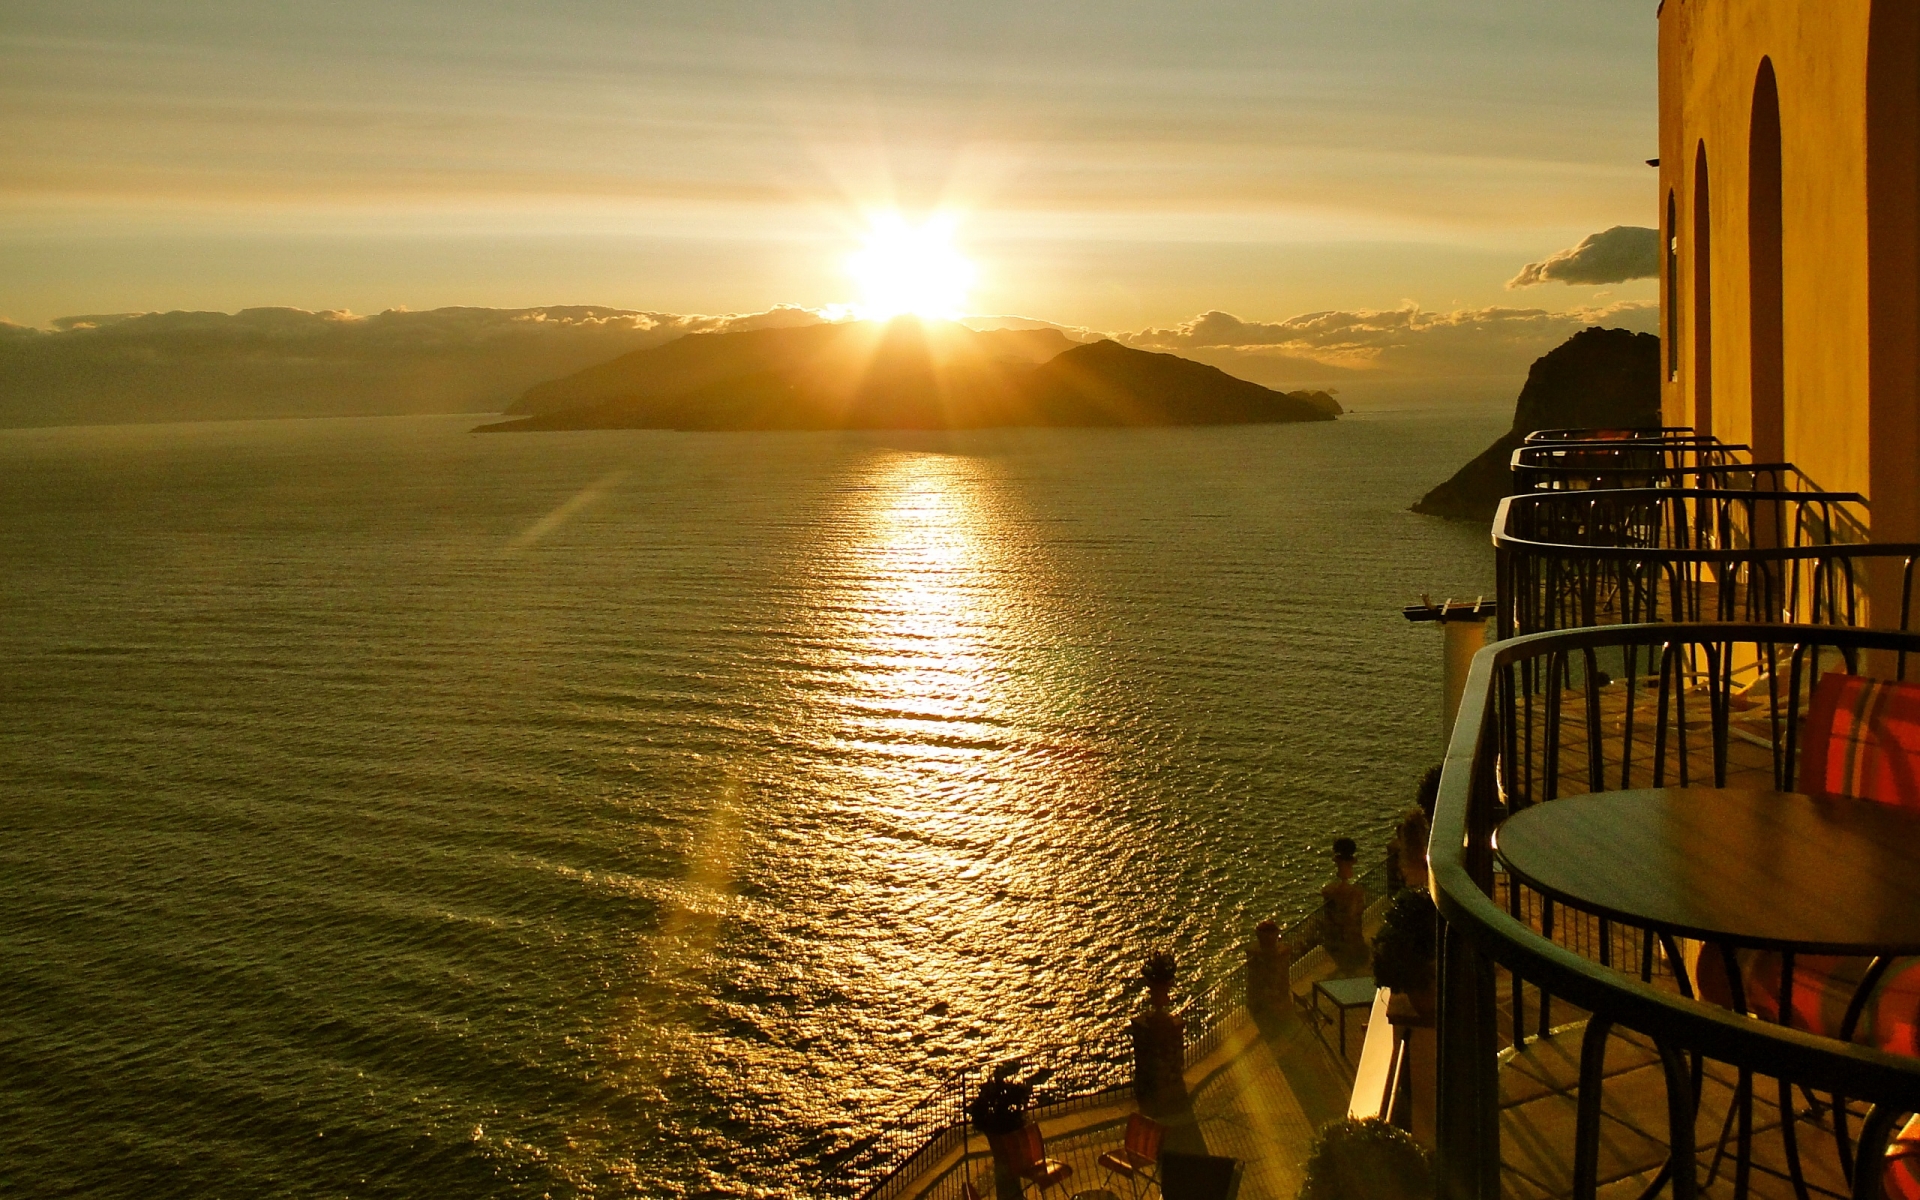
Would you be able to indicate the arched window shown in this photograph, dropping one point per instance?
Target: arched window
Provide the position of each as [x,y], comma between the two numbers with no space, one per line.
[1673,291]
[1764,271]
[1702,296]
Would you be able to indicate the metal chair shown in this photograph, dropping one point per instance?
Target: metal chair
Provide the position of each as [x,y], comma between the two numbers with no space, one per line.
[1032,1164]
[1138,1159]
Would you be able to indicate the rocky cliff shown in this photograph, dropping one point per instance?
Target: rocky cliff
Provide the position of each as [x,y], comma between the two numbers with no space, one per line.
[1598,378]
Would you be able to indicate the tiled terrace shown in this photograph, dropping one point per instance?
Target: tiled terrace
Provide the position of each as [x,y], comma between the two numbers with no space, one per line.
[1537,1122]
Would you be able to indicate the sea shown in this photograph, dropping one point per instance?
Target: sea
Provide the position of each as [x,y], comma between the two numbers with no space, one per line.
[387,810]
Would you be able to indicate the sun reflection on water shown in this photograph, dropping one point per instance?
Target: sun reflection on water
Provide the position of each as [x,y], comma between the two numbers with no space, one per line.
[925,671]
[943,747]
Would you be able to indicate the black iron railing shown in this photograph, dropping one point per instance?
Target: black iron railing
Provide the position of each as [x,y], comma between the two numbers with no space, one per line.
[1546,469]
[1636,454]
[1683,518]
[1568,559]
[1554,714]
[1658,433]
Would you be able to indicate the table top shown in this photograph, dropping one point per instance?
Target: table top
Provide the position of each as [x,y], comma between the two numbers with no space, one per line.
[1769,870]
[1348,993]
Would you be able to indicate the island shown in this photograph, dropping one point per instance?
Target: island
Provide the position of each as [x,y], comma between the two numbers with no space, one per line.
[906,373]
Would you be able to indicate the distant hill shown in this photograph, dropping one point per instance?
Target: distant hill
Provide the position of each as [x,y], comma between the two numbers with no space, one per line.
[901,374]
[1598,378]
[689,364]
[288,362]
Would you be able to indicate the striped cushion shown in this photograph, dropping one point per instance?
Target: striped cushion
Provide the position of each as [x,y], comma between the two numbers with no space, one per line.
[1902,1180]
[1863,739]
[1822,988]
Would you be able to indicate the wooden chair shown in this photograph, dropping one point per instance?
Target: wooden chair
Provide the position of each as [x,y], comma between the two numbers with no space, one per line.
[1861,740]
[1030,1161]
[1902,1180]
[1138,1158]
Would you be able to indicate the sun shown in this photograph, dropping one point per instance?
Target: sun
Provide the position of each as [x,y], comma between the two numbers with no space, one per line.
[902,268]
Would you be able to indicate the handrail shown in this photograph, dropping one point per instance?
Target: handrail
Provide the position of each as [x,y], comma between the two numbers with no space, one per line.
[1477,933]
[1617,506]
[1570,558]
[1649,433]
[1530,476]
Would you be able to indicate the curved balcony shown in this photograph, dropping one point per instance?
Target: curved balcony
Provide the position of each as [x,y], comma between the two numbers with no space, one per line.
[1550,469]
[1646,1075]
[1655,433]
[1567,559]
[1559,466]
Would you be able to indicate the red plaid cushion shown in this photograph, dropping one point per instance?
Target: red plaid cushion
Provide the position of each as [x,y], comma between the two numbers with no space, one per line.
[1902,1180]
[1863,739]
[1822,988]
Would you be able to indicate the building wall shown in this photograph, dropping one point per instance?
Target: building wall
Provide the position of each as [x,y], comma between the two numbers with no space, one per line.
[1848,78]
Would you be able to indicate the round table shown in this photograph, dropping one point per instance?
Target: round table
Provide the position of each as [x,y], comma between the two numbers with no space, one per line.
[1763,870]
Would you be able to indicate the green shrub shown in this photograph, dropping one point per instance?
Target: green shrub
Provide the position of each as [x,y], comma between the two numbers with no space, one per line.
[1408,944]
[1367,1160]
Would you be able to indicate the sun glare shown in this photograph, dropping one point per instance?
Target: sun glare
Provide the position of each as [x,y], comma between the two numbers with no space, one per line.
[903,268]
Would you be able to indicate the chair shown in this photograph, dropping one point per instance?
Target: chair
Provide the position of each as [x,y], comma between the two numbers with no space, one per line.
[1861,740]
[1030,1162]
[1138,1158]
[1902,1180]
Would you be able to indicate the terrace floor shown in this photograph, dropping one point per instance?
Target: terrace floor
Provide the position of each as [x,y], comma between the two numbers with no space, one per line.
[1259,1097]
[1537,1122]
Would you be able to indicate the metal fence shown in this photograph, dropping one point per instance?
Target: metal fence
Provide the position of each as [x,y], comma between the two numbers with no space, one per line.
[1539,723]
[1572,559]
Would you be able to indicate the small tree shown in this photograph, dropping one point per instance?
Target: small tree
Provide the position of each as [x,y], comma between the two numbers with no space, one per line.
[1000,1106]
[1157,973]
[998,1109]
[1366,1160]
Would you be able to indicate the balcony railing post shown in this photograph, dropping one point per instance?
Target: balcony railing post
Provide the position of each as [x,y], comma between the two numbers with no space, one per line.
[1467,1117]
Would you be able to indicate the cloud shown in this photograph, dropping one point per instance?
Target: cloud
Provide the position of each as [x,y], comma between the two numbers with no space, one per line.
[1610,256]
[260,362]
[1399,342]
[169,366]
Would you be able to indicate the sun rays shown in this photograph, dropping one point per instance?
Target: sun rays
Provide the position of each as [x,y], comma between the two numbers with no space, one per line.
[906,269]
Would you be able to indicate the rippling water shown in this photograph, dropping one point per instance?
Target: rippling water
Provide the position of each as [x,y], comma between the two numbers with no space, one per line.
[391,811]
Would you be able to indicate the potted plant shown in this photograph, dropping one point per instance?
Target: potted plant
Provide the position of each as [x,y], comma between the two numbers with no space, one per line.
[1159,1042]
[999,1110]
[1406,949]
[1157,974]
[1366,1160]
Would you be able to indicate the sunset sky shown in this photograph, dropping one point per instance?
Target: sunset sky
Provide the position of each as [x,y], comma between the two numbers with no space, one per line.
[1116,164]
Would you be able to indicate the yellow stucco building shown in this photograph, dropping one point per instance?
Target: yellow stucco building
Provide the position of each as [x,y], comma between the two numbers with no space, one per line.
[1790,199]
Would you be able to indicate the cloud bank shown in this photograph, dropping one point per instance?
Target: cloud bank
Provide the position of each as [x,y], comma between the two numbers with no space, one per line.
[1610,256]
[1384,343]
[280,362]
[285,362]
